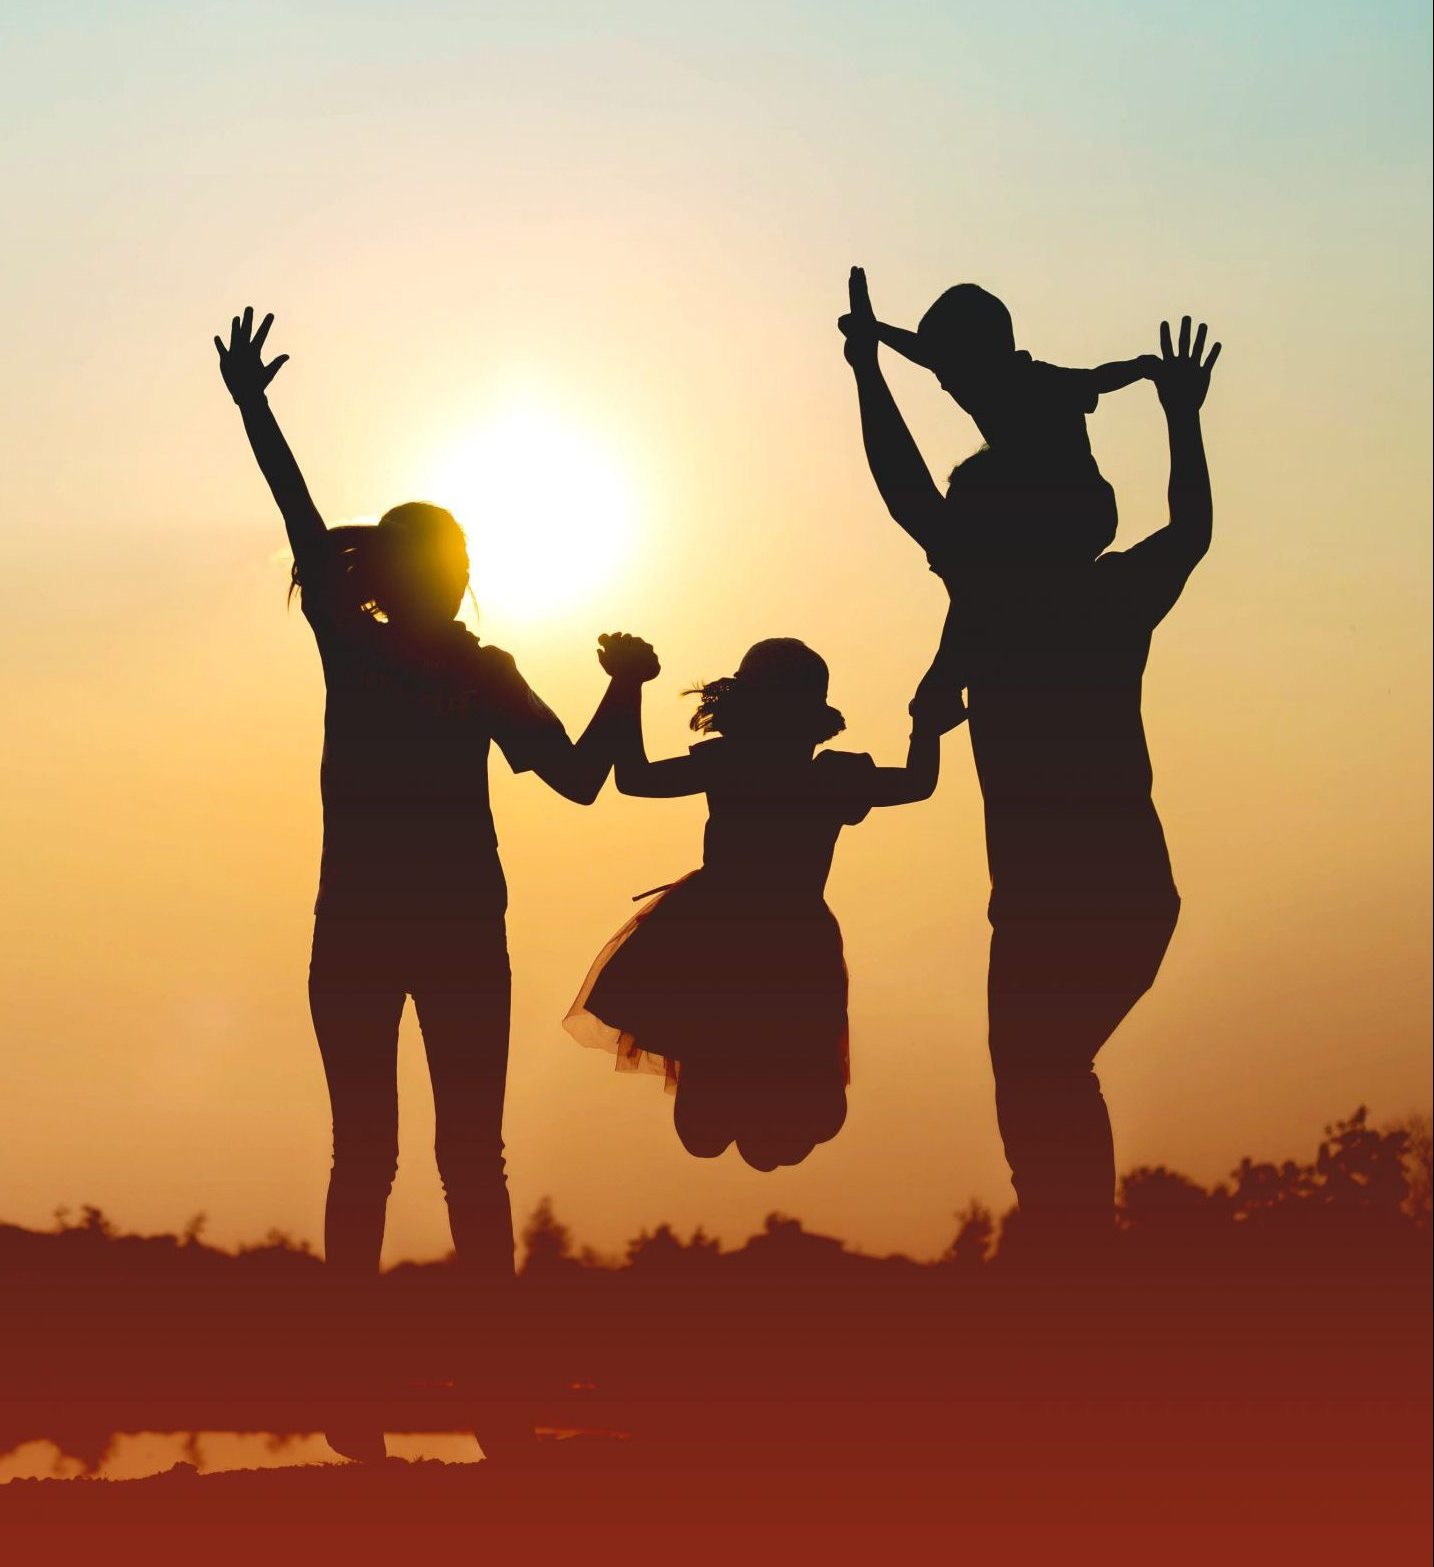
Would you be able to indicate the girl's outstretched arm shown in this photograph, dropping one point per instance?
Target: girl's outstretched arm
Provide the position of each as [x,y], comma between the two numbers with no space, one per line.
[246,375]
[895,460]
[577,770]
[918,779]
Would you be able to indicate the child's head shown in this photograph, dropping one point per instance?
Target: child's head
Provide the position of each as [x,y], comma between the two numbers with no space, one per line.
[1009,519]
[778,693]
[965,336]
[412,567]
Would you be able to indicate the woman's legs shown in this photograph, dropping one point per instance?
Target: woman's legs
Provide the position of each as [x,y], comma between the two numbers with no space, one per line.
[462,991]
[1057,991]
[356,1000]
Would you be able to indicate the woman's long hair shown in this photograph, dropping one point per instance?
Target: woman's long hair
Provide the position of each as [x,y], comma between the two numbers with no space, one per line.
[365,557]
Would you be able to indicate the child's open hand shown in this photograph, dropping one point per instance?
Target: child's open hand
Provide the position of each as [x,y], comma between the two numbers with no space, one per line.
[1181,381]
[627,658]
[242,362]
[859,325]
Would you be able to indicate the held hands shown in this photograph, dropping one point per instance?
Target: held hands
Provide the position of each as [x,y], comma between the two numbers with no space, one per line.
[859,325]
[937,706]
[242,362]
[1181,380]
[627,659]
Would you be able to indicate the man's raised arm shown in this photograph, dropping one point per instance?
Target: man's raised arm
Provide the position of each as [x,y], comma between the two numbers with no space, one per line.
[1165,560]
[896,463]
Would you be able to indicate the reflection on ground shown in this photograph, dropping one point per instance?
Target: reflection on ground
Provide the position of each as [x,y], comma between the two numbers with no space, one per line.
[135,1455]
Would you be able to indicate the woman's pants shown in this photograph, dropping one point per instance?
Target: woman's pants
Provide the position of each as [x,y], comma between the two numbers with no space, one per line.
[1058,988]
[457,973]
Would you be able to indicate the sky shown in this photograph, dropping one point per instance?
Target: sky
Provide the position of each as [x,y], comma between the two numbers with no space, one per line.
[606,246]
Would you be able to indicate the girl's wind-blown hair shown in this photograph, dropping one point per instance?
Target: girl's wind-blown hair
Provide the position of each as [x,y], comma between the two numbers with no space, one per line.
[779,691]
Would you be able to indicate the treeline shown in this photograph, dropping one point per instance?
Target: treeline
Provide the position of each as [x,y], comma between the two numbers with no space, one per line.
[1366,1188]
[1283,1282]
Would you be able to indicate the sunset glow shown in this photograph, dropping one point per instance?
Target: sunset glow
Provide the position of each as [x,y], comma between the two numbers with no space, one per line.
[548,510]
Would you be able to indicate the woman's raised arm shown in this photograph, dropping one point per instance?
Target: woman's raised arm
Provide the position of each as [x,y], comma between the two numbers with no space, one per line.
[241,363]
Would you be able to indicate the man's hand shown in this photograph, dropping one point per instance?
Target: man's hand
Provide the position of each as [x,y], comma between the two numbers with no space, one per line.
[627,658]
[859,325]
[937,706]
[1181,380]
[242,362]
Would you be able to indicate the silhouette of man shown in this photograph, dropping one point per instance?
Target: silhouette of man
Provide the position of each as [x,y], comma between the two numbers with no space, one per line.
[1083,901]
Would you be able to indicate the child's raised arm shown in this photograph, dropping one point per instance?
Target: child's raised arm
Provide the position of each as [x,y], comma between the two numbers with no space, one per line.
[631,665]
[918,779]
[1124,372]
[247,377]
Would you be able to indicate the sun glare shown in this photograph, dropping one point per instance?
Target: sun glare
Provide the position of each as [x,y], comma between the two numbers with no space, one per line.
[548,511]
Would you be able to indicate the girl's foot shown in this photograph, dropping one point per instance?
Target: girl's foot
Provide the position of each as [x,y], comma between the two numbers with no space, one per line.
[767,1154]
[703,1114]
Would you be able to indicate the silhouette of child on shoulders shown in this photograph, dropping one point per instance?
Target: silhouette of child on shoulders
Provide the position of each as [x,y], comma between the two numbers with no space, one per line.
[1035,490]
[732,981]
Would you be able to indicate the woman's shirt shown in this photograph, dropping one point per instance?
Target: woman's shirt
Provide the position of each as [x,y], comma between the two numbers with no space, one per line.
[408,828]
[772,823]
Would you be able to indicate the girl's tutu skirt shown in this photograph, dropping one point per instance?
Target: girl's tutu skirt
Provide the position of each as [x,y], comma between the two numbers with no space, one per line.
[740,1002]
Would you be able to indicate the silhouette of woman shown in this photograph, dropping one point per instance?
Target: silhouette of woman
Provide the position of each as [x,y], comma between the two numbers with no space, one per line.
[411,892]
[732,981]
[1083,901]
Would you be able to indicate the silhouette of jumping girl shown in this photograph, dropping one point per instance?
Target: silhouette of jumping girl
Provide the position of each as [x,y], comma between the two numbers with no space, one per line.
[1083,901]
[732,981]
[411,892]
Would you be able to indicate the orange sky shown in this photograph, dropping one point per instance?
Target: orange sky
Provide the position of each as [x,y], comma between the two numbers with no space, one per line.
[637,238]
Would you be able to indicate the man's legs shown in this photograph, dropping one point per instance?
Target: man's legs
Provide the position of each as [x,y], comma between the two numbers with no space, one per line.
[1057,991]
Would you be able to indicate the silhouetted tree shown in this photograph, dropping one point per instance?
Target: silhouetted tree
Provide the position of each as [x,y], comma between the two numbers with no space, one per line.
[547,1244]
[975,1234]
[1418,1168]
[662,1248]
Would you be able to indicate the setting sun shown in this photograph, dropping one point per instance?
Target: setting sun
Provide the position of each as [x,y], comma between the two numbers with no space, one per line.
[548,510]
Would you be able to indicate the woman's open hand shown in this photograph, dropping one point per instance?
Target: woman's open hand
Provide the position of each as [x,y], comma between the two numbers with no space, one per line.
[628,658]
[1181,380]
[242,362]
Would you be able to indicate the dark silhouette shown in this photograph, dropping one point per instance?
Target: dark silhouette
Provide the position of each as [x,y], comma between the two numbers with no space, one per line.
[1262,1347]
[411,893]
[1037,485]
[731,982]
[1056,638]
